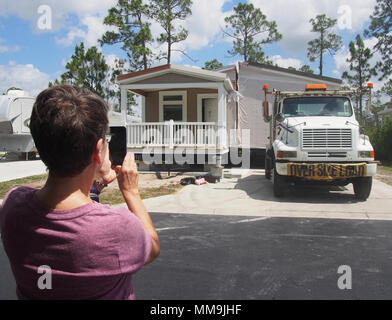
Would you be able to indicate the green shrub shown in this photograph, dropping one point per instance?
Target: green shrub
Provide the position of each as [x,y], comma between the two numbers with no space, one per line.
[381,139]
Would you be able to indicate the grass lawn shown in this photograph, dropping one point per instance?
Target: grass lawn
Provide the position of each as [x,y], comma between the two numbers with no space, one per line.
[114,196]
[110,196]
[35,181]
[384,173]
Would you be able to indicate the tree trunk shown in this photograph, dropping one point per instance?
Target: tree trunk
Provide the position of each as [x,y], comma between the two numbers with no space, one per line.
[321,52]
[168,51]
[360,88]
[245,48]
[145,64]
[321,64]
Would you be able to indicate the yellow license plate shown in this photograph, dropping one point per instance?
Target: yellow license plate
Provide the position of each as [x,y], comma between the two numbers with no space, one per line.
[326,171]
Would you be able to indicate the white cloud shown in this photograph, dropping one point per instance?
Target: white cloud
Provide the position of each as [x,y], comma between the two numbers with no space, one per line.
[95,30]
[292,18]
[286,62]
[6,48]
[72,35]
[61,10]
[204,26]
[26,77]
[89,13]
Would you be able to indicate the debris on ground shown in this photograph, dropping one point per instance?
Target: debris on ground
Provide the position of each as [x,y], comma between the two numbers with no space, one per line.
[199,180]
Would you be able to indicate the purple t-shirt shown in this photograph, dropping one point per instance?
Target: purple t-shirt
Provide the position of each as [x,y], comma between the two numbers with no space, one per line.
[92,251]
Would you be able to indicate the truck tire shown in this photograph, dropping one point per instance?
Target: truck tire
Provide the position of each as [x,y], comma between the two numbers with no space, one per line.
[279,185]
[362,187]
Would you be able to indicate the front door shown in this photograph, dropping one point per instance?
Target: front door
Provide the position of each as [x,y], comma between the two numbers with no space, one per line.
[210,110]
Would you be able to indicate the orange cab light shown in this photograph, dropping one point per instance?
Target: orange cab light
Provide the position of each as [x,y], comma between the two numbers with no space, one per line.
[313,87]
[370,85]
[372,154]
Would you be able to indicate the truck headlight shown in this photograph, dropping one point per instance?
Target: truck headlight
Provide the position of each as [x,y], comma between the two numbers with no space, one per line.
[366,154]
[286,154]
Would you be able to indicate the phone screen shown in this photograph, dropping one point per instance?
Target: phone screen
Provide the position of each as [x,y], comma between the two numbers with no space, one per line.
[118,145]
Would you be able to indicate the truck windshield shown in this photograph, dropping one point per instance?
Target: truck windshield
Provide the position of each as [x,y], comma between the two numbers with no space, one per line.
[317,106]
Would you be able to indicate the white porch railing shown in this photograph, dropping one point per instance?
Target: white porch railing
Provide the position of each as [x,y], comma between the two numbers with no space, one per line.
[172,134]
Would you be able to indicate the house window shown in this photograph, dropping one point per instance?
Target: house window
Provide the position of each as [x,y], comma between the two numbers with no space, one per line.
[172,98]
[172,106]
[172,112]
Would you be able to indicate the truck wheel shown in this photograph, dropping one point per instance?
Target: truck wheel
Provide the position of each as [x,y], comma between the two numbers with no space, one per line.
[279,185]
[362,187]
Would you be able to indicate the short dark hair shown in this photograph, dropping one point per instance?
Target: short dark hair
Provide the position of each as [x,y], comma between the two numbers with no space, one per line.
[66,124]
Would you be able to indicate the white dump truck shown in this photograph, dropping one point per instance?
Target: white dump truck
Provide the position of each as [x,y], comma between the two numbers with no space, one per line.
[15,113]
[315,138]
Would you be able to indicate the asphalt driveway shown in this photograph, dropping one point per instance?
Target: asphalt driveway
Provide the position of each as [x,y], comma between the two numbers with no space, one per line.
[231,257]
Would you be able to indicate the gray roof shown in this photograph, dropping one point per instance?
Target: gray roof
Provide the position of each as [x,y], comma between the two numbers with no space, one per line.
[300,73]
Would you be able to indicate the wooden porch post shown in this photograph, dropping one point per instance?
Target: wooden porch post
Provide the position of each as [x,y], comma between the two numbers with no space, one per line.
[143,109]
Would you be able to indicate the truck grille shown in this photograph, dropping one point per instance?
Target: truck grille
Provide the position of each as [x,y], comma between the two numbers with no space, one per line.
[327,138]
[327,154]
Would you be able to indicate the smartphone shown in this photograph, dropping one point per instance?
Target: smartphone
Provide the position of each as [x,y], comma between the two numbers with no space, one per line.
[118,145]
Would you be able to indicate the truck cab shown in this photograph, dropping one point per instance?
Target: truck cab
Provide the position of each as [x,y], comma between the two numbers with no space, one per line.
[315,138]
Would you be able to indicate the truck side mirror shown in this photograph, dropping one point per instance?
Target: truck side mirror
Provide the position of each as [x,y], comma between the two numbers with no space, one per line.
[267,117]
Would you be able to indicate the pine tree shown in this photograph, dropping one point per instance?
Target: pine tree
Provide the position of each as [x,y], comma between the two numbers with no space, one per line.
[115,93]
[360,69]
[87,69]
[387,89]
[306,68]
[166,13]
[327,41]
[247,26]
[133,32]
[381,28]
[212,65]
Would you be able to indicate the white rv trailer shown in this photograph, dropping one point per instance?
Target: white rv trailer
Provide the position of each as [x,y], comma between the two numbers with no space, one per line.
[15,113]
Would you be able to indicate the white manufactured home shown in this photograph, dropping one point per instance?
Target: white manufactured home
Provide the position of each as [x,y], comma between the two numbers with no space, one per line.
[185,108]
[250,78]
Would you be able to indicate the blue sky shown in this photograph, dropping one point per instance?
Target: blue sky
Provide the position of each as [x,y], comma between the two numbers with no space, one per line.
[30,57]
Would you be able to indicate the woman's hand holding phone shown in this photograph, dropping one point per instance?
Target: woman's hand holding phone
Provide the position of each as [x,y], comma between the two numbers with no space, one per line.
[128,177]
